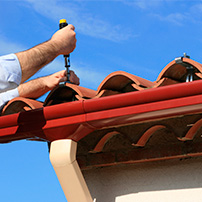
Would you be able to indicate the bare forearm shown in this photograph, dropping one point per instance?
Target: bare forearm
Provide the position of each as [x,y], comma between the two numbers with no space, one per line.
[36,88]
[35,58]
[33,89]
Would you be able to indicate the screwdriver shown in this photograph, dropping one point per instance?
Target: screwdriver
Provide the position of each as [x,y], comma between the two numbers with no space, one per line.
[63,23]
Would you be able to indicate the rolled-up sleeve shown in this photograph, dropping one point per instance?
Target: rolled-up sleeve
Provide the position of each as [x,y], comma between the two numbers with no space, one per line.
[10,72]
[10,77]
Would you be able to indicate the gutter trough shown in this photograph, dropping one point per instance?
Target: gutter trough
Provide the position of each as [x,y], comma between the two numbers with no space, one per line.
[74,120]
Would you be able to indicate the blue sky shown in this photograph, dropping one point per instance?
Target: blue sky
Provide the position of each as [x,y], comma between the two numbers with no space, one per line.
[139,37]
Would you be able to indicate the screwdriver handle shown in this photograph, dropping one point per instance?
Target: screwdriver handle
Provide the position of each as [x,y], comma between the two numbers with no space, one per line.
[63,23]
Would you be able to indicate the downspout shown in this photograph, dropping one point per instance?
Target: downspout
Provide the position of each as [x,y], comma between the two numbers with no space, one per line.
[63,159]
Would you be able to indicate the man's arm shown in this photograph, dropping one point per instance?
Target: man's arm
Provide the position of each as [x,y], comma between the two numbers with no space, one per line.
[62,42]
[37,87]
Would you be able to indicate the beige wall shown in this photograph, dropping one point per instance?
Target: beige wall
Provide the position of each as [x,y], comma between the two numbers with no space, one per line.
[168,181]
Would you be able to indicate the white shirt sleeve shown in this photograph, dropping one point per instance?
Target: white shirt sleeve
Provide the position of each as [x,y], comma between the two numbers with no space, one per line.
[10,72]
[10,78]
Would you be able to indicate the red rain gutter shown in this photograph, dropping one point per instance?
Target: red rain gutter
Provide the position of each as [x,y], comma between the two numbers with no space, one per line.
[75,120]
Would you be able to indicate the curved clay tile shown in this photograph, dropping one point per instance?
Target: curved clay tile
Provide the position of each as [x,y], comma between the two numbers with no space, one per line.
[123,82]
[123,141]
[145,137]
[178,72]
[197,65]
[100,145]
[104,93]
[82,91]
[165,82]
[115,83]
[68,92]
[199,75]
[20,104]
[192,131]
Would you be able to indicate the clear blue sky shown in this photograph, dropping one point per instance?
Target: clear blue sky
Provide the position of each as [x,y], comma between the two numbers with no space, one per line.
[139,37]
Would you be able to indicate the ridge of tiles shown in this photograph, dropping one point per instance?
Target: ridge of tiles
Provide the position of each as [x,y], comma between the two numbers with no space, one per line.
[121,82]
[115,83]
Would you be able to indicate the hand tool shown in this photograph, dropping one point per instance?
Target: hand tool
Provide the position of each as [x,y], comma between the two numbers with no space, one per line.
[63,23]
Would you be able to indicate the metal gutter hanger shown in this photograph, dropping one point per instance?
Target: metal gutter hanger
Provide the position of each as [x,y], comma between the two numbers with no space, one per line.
[190,69]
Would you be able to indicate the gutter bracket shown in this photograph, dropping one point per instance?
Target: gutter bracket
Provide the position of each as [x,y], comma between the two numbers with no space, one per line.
[189,68]
[63,160]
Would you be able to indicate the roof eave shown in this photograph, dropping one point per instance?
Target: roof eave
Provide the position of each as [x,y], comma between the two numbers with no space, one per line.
[74,120]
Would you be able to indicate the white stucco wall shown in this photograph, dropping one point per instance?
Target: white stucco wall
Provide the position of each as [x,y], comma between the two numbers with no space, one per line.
[165,181]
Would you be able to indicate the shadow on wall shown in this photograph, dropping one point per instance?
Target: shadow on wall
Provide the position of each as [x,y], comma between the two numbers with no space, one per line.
[106,184]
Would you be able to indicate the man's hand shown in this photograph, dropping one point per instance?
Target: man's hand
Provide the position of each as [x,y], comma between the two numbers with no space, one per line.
[64,40]
[53,80]
[37,87]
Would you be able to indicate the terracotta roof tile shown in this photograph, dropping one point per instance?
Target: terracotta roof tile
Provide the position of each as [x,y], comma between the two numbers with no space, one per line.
[67,93]
[124,82]
[20,104]
[178,72]
[116,83]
